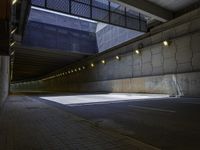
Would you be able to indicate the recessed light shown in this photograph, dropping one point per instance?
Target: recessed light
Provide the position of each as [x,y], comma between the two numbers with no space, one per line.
[117,57]
[137,51]
[103,61]
[14,2]
[166,43]
[92,65]
[13,31]
[12,44]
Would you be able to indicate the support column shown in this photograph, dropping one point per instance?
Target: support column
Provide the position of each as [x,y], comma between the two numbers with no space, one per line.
[5,13]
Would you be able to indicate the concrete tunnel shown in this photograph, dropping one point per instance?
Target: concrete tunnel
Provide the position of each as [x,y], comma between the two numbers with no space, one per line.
[99,74]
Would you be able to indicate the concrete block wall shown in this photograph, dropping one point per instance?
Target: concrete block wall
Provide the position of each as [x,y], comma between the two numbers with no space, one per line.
[158,69]
[61,38]
[185,84]
[4,78]
[110,36]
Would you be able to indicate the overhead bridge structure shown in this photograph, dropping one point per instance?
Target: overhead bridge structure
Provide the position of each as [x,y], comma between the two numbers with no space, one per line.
[98,10]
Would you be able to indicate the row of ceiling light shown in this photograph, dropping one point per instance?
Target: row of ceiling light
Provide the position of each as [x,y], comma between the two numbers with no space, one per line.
[103,61]
[12,42]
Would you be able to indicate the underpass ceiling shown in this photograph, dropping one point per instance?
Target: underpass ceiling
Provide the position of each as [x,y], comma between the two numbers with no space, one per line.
[31,63]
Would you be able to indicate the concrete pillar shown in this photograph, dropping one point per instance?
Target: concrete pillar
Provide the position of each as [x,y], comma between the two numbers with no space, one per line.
[4,78]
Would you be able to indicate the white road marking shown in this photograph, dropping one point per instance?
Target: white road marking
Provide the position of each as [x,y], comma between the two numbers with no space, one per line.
[152,109]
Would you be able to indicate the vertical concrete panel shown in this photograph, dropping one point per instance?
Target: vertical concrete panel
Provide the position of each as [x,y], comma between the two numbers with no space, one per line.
[189,84]
[4,77]
[137,65]
[196,61]
[137,85]
[184,54]
[157,63]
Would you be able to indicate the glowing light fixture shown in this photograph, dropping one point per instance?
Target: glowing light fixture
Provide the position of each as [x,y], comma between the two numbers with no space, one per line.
[12,53]
[14,2]
[83,67]
[75,70]
[79,69]
[117,57]
[103,61]
[166,43]
[12,44]
[139,48]
[92,65]
[137,51]
[13,31]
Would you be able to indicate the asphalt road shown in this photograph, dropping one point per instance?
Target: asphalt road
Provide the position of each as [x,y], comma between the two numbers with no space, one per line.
[165,123]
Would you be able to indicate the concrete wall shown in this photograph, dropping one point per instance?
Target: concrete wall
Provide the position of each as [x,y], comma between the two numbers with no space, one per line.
[186,84]
[109,36]
[158,69]
[4,78]
[53,37]
[61,20]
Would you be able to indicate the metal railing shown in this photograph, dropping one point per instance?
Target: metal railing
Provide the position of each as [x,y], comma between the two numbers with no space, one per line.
[98,10]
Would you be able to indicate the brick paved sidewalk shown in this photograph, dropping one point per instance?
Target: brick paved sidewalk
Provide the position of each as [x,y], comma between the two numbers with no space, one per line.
[29,124]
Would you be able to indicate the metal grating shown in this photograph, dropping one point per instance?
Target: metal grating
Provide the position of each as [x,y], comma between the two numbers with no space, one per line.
[100,15]
[80,9]
[98,10]
[103,4]
[58,5]
[117,19]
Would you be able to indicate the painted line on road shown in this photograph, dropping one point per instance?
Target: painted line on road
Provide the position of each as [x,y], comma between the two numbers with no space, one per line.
[152,109]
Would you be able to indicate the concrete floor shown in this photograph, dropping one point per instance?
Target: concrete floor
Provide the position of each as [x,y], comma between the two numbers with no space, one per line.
[133,121]
[166,123]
